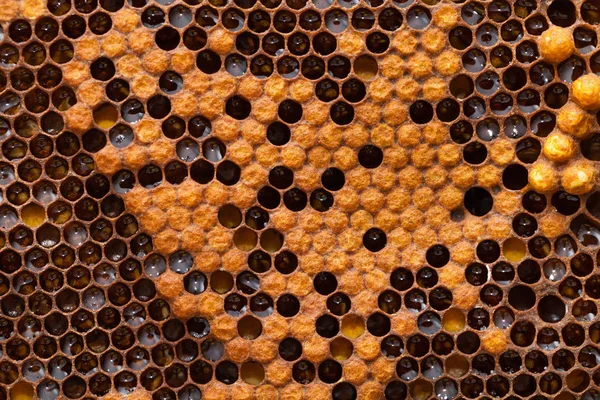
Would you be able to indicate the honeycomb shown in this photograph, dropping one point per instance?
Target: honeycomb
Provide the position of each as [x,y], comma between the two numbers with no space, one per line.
[295,199]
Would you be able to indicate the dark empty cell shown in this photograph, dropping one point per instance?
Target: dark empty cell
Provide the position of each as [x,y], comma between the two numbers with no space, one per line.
[515,177]
[132,111]
[551,309]
[378,324]
[327,326]
[565,203]
[539,247]
[22,78]
[258,21]
[472,13]
[474,108]
[333,179]
[298,44]
[390,19]
[524,225]
[562,13]
[37,101]
[278,133]
[354,90]
[556,95]
[370,156]
[460,37]
[153,17]
[503,273]
[501,104]
[590,148]
[478,201]
[238,107]
[286,262]
[93,140]
[46,29]
[327,90]
[421,112]
[295,199]
[324,43]
[313,67]
[208,61]
[226,372]
[268,197]
[344,391]
[477,274]
[571,69]
[194,38]
[341,113]
[363,19]
[321,200]
[288,67]
[73,26]
[488,251]
[534,202]
[474,153]
[378,42]
[437,256]
[202,171]
[281,177]
[176,172]
[461,86]
[590,12]
[310,20]
[514,78]
[284,21]
[487,130]
[303,372]
[474,60]
[487,35]
[593,205]
[112,5]
[228,173]
[447,110]
[273,44]
[117,90]
[374,239]
[521,297]
[150,176]
[325,283]
[528,150]
[427,278]
[159,106]
[167,38]
[529,271]
[461,132]
[20,31]
[102,69]
[290,111]
[100,23]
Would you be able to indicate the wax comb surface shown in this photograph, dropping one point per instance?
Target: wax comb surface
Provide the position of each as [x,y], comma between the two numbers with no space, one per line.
[299,199]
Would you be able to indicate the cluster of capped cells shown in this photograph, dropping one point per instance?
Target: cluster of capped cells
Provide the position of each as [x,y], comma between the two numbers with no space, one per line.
[299,199]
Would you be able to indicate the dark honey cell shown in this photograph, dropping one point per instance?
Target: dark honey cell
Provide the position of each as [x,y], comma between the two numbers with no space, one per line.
[478,201]
[167,38]
[194,38]
[460,37]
